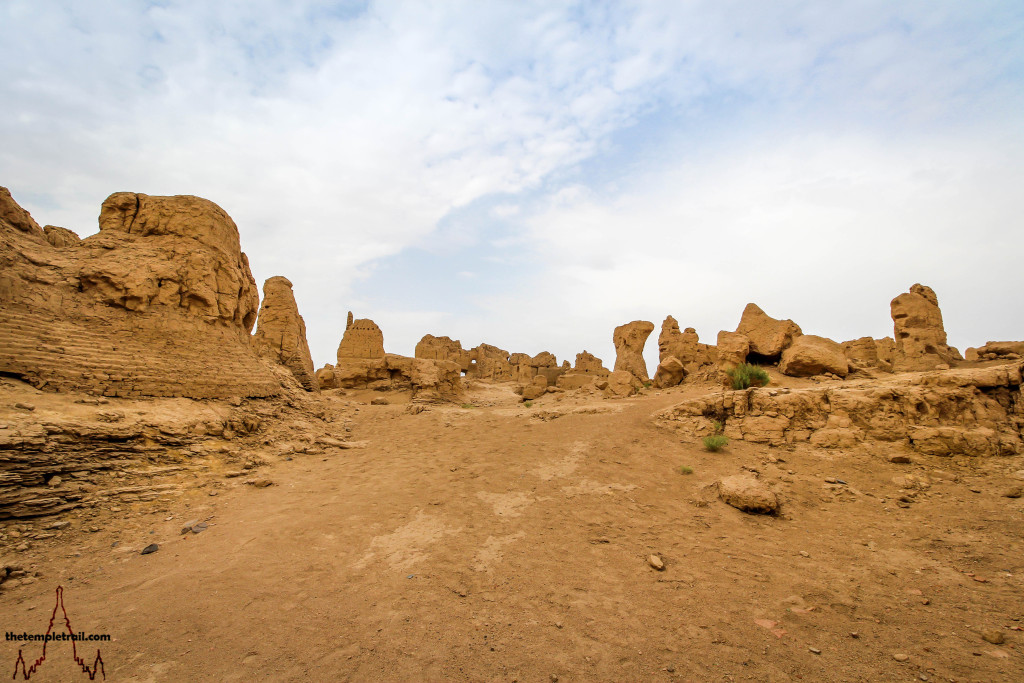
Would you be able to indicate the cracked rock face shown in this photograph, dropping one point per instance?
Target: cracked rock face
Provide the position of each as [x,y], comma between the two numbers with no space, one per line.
[918,330]
[281,332]
[159,303]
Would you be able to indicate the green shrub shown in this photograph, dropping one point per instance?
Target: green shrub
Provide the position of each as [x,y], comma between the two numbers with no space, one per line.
[528,404]
[683,469]
[746,375]
[467,406]
[715,443]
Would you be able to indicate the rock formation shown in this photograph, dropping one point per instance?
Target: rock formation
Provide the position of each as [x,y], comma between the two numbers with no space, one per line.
[867,353]
[670,372]
[362,339]
[732,349]
[588,369]
[768,337]
[490,363]
[363,364]
[281,332]
[621,383]
[745,492]
[159,303]
[975,412]
[918,331]
[629,342]
[996,351]
[812,355]
[684,346]
[443,348]
[61,237]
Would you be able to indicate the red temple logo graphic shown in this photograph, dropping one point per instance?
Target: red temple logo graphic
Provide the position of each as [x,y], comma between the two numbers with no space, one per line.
[90,671]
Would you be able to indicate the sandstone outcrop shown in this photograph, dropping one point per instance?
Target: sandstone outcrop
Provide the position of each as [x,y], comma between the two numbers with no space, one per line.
[281,332]
[443,348]
[977,412]
[490,363]
[996,351]
[587,370]
[159,303]
[684,346]
[428,379]
[811,355]
[747,493]
[732,349]
[61,237]
[621,384]
[867,353]
[768,337]
[629,340]
[670,372]
[362,339]
[918,331]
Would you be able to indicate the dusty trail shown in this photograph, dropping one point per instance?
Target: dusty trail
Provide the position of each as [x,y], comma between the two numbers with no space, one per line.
[488,543]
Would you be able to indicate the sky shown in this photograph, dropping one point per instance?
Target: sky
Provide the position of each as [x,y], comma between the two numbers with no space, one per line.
[533,174]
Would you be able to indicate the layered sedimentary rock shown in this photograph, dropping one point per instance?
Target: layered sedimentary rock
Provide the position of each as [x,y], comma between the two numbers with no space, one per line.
[954,412]
[919,333]
[629,342]
[159,303]
[281,332]
[768,337]
[443,348]
[996,351]
[61,237]
[868,353]
[811,355]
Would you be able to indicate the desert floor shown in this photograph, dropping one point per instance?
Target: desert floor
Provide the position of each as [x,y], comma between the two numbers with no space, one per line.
[496,541]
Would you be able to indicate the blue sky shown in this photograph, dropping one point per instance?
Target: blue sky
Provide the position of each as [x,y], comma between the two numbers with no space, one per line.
[531,174]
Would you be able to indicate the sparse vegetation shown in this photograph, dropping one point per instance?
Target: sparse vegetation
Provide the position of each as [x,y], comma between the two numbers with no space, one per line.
[648,385]
[468,405]
[683,469]
[745,375]
[528,404]
[715,442]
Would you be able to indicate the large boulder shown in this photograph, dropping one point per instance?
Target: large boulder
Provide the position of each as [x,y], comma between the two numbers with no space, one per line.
[732,349]
[670,372]
[621,384]
[629,342]
[918,330]
[281,332]
[768,337]
[996,351]
[746,493]
[812,355]
[160,302]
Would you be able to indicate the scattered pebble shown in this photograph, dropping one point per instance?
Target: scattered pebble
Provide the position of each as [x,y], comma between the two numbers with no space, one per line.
[804,553]
[900,657]
[993,636]
[24,406]
[814,650]
[151,548]
[54,481]
[899,459]
[188,526]
[63,524]
[1013,492]
[656,562]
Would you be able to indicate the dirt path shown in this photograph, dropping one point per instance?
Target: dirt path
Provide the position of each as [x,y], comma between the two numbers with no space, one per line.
[488,543]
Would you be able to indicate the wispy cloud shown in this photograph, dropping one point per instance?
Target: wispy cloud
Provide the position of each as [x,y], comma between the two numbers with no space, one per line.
[605,154]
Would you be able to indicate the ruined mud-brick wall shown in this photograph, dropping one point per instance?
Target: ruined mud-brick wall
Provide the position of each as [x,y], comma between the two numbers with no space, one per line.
[159,303]
[968,412]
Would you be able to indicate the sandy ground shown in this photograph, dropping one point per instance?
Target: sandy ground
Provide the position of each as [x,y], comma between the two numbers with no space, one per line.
[510,543]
